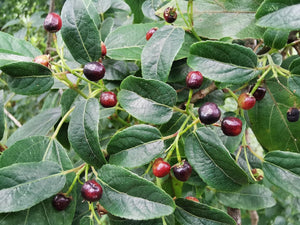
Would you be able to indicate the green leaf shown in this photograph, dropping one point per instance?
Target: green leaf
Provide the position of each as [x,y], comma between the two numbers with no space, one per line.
[224,62]
[26,70]
[275,19]
[268,119]
[294,80]
[276,38]
[106,27]
[38,125]
[282,170]
[81,21]
[20,47]
[102,5]
[212,161]
[143,141]
[160,51]
[149,7]
[25,184]
[138,98]
[125,188]
[119,221]
[250,197]
[118,70]
[136,9]
[2,115]
[127,42]
[83,132]
[188,212]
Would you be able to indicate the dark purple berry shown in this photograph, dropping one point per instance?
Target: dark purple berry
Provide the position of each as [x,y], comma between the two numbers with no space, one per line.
[170,15]
[91,191]
[259,94]
[231,126]
[182,171]
[108,99]
[52,23]
[209,113]
[292,115]
[94,71]
[194,79]
[60,202]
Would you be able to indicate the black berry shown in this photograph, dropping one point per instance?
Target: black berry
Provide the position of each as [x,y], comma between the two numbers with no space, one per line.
[194,79]
[231,126]
[94,71]
[170,15]
[108,99]
[182,171]
[292,115]
[259,94]
[209,113]
[60,202]
[160,168]
[52,23]
[91,191]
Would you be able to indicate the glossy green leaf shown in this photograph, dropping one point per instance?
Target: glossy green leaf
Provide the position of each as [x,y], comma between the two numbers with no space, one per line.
[250,197]
[127,42]
[136,9]
[18,46]
[143,141]
[26,70]
[118,70]
[2,115]
[25,184]
[106,27]
[136,198]
[224,62]
[81,21]
[188,212]
[212,161]
[160,51]
[294,80]
[275,19]
[83,132]
[38,125]
[149,7]
[276,38]
[119,221]
[137,97]
[268,119]
[282,170]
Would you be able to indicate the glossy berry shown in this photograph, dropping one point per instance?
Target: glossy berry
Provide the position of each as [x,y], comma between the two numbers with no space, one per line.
[91,191]
[170,15]
[209,113]
[191,198]
[160,168]
[231,126]
[246,101]
[182,171]
[103,49]
[194,79]
[52,23]
[61,202]
[108,99]
[151,32]
[292,115]
[94,71]
[259,94]
[42,59]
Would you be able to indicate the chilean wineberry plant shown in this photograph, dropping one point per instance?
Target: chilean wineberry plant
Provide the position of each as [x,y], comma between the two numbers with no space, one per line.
[195,122]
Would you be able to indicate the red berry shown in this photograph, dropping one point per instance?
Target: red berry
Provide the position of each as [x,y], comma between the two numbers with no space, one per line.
[42,59]
[231,126]
[191,198]
[94,71]
[292,115]
[194,79]
[170,15]
[259,94]
[52,23]
[209,113]
[61,202]
[108,99]
[151,32]
[182,171]
[160,168]
[91,191]
[103,49]
[246,101]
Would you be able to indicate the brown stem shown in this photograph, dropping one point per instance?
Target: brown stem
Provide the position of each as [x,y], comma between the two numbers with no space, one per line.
[202,93]
[235,214]
[49,35]
[254,217]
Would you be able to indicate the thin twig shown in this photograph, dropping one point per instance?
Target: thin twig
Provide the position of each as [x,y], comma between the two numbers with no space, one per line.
[254,217]
[10,116]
